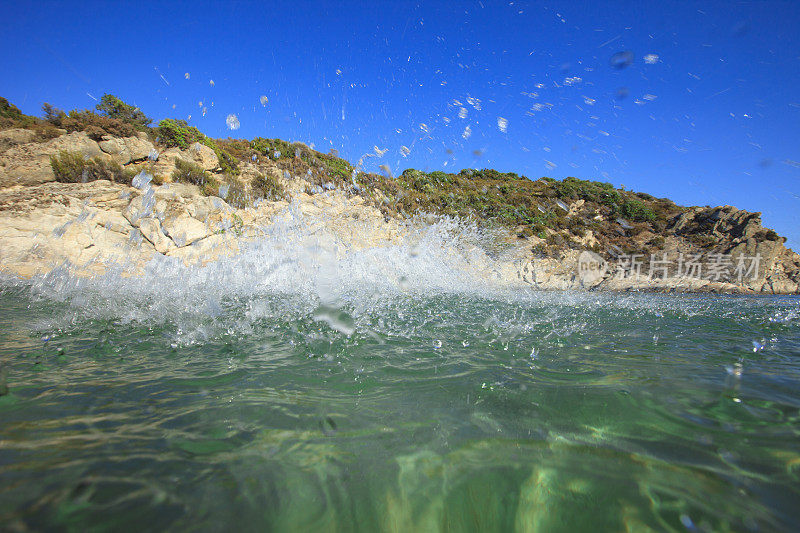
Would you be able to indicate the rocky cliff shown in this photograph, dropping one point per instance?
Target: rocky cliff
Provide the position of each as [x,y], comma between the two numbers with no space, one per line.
[92,200]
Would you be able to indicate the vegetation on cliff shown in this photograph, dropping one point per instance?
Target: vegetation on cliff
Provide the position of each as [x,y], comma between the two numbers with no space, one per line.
[567,213]
[73,167]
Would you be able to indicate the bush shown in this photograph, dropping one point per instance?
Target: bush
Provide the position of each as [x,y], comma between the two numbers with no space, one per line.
[237,195]
[636,211]
[116,118]
[186,172]
[269,187]
[336,167]
[68,166]
[73,167]
[177,133]
[12,117]
[114,108]
[94,125]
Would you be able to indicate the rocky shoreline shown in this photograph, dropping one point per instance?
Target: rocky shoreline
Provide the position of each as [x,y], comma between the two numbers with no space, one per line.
[92,226]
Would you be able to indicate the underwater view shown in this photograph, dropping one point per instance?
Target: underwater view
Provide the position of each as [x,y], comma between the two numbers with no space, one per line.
[408,266]
[267,393]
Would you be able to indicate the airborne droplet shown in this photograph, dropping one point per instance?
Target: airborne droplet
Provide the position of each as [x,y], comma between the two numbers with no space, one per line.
[232,121]
[651,59]
[264,100]
[502,124]
[621,60]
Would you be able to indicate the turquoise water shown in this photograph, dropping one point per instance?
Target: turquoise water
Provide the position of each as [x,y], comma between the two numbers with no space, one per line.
[131,409]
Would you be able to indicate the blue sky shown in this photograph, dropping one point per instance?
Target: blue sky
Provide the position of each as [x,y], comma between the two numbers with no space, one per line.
[707,112]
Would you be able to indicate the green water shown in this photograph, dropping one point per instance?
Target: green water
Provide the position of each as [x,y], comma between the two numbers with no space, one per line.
[440,412]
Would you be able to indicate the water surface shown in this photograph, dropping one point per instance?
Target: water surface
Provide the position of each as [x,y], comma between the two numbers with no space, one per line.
[188,400]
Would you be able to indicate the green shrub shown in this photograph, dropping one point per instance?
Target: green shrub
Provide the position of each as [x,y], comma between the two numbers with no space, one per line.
[73,167]
[269,187]
[336,167]
[177,133]
[114,108]
[68,166]
[186,172]
[272,148]
[636,211]
[237,195]
[227,162]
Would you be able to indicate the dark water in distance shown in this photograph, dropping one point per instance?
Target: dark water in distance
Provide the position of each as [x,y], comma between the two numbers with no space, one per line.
[439,412]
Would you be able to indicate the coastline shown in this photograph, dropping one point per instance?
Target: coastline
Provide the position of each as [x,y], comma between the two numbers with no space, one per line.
[88,200]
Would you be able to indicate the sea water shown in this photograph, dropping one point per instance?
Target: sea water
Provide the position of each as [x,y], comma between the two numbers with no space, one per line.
[304,386]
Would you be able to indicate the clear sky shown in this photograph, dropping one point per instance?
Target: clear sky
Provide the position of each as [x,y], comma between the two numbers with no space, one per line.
[698,102]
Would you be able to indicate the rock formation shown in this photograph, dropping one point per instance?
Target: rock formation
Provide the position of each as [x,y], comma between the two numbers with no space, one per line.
[634,242]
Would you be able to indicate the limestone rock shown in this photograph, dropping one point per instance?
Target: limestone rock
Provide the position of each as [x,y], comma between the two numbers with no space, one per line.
[198,154]
[185,230]
[151,230]
[126,150]
[202,155]
[29,164]
[15,136]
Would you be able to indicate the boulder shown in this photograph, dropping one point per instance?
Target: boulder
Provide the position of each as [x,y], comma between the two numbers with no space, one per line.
[151,230]
[14,137]
[127,149]
[204,156]
[185,230]
[198,154]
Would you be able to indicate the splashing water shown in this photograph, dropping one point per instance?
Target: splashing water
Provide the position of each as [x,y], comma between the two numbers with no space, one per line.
[393,381]
[232,121]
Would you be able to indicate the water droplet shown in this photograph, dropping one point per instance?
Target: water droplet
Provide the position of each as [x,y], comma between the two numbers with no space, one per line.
[502,124]
[651,59]
[437,343]
[735,370]
[467,132]
[141,180]
[264,100]
[211,82]
[232,121]
[186,75]
[621,60]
